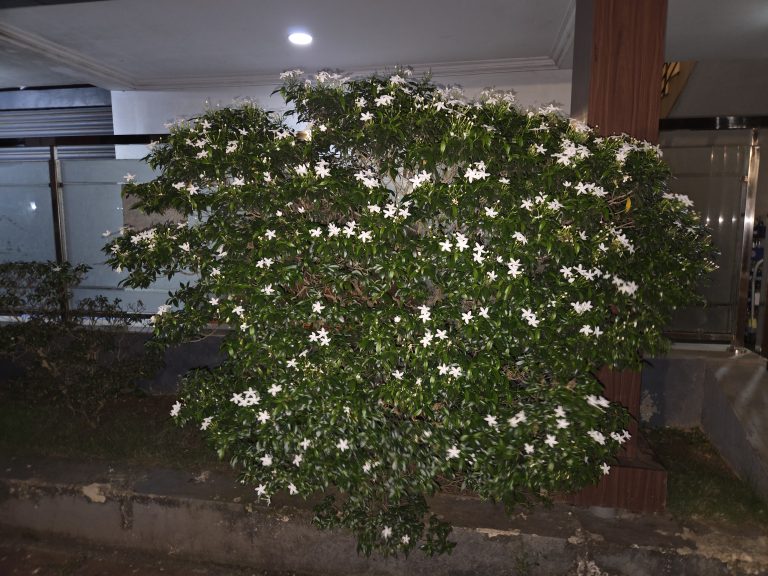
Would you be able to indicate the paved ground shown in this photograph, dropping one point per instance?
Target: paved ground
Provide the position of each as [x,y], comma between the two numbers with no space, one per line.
[23,555]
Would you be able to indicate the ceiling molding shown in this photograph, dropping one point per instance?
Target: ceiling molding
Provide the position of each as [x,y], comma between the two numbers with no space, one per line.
[94,71]
[564,39]
[440,70]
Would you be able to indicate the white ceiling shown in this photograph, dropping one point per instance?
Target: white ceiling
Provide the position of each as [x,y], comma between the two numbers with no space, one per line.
[176,44]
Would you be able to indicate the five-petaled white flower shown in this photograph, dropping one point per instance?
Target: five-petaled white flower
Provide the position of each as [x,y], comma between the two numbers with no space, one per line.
[446,245]
[364,236]
[129,177]
[398,374]
[343,445]
[528,448]
[441,334]
[491,420]
[605,468]
[426,340]
[268,290]
[297,459]
[455,371]
[270,234]
[462,242]
[292,489]
[550,441]
[384,100]
[318,307]
[266,460]
[467,316]
[365,116]
[316,232]
[517,419]
[175,409]
[597,436]
[263,416]
[261,490]
[386,533]
[443,369]
[452,452]
[491,213]
[275,389]
[206,423]
[424,313]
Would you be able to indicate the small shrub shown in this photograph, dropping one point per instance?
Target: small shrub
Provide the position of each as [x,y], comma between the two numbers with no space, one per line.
[81,357]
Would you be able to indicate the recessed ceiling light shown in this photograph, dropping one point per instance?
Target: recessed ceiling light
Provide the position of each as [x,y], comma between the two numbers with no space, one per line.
[300,38]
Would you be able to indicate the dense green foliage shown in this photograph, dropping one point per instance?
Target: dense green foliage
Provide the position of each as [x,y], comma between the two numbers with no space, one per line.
[417,288]
[79,357]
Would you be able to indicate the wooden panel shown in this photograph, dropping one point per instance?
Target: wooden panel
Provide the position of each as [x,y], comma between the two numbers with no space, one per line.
[626,67]
[630,486]
[623,386]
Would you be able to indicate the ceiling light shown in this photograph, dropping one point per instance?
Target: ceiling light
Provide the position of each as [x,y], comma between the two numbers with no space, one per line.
[300,38]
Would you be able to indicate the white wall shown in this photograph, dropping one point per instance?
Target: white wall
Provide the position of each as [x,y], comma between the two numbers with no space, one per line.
[145,112]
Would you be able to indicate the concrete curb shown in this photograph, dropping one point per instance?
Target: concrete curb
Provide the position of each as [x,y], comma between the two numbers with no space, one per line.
[209,516]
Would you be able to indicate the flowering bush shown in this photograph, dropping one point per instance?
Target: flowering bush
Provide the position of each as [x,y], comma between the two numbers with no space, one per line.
[419,289]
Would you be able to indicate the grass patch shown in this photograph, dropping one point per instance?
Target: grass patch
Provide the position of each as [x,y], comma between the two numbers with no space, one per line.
[132,429]
[700,484]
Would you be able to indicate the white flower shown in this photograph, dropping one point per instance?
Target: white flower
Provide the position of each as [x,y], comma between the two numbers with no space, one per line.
[398,374]
[374,208]
[586,330]
[333,230]
[452,452]
[581,307]
[527,204]
[179,185]
[528,448]
[261,490]
[266,460]
[292,489]
[491,420]
[426,340]
[599,402]
[550,441]
[491,213]
[268,290]
[443,369]
[318,307]
[462,242]
[467,317]
[291,363]
[539,149]
[513,268]
[316,232]
[559,412]
[517,419]
[478,253]
[129,177]
[476,173]
[206,423]
[275,389]
[530,317]
[605,468]
[386,532]
[343,445]
[265,263]
[269,234]
[492,275]
[322,170]
[420,178]
[455,371]
[213,301]
[424,313]
[441,334]
[396,319]
[364,236]
[349,229]
[175,409]
[365,116]
[597,436]
[405,539]
[263,416]
[520,238]
[305,444]
[384,100]
[446,245]
[562,423]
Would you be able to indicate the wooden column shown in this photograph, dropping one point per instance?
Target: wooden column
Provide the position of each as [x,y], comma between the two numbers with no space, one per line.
[617,73]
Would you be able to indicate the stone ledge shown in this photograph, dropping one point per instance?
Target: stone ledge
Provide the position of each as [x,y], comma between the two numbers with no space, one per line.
[210,516]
